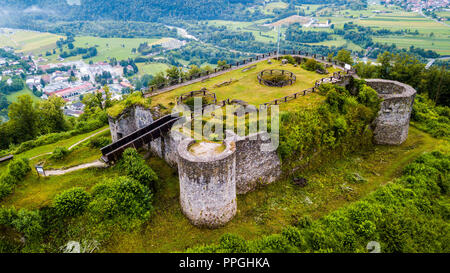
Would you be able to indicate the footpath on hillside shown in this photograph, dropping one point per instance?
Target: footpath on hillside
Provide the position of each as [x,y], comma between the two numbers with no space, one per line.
[95,164]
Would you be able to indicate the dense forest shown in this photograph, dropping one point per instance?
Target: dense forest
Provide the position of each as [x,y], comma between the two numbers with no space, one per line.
[136,10]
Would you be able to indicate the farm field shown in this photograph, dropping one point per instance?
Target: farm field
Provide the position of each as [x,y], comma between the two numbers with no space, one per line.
[262,34]
[404,20]
[107,48]
[151,68]
[247,87]
[440,45]
[25,91]
[338,42]
[28,41]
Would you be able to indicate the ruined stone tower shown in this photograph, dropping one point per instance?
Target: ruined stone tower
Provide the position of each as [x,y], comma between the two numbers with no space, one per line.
[392,123]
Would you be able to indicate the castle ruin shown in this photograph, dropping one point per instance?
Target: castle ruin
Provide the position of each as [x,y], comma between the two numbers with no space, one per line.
[210,182]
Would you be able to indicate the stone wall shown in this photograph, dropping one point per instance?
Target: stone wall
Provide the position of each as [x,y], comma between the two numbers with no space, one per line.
[392,124]
[207,185]
[129,121]
[166,147]
[254,166]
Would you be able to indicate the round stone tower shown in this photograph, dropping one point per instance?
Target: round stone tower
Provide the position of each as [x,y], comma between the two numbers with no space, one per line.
[392,123]
[207,182]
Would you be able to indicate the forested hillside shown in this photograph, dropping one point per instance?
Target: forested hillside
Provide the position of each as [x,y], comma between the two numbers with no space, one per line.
[135,10]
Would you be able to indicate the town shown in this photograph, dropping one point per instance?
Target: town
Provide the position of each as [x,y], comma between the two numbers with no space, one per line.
[68,80]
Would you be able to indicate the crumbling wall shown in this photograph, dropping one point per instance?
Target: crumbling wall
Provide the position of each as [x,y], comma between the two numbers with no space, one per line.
[255,164]
[392,123]
[207,186]
[166,147]
[129,121]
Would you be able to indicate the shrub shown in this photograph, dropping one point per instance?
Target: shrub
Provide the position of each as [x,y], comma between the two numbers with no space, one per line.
[341,124]
[136,168]
[230,243]
[289,58]
[122,195]
[71,202]
[59,153]
[100,142]
[27,222]
[313,65]
[432,119]
[17,169]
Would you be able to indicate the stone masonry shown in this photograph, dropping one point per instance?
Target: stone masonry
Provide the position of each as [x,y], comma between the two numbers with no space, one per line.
[129,121]
[392,124]
[207,185]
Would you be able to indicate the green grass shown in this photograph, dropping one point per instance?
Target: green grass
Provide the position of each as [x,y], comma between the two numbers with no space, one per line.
[440,45]
[151,68]
[29,41]
[83,153]
[50,147]
[268,9]
[36,192]
[13,97]
[267,210]
[247,87]
[119,48]
[338,41]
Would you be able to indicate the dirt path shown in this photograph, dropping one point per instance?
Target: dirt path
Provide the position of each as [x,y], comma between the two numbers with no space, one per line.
[96,164]
[74,145]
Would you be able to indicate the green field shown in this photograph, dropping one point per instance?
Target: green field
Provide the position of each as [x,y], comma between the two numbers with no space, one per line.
[152,68]
[396,19]
[26,91]
[338,41]
[28,41]
[107,48]
[440,45]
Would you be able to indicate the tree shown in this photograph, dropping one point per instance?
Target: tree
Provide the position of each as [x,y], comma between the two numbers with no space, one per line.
[51,116]
[344,56]
[23,119]
[385,67]
[174,74]
[221,63]
[159,80]
[195,70]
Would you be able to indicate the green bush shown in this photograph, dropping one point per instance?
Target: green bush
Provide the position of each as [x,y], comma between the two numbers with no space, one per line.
[341,124]
[27,222]
[313,65]
[17,169]
[289,58]
[432,119]
[122,195]
[71,202]
[136,168]
[59,153]
[100,142]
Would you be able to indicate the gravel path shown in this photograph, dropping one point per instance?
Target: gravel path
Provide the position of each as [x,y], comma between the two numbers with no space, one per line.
[96,164]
